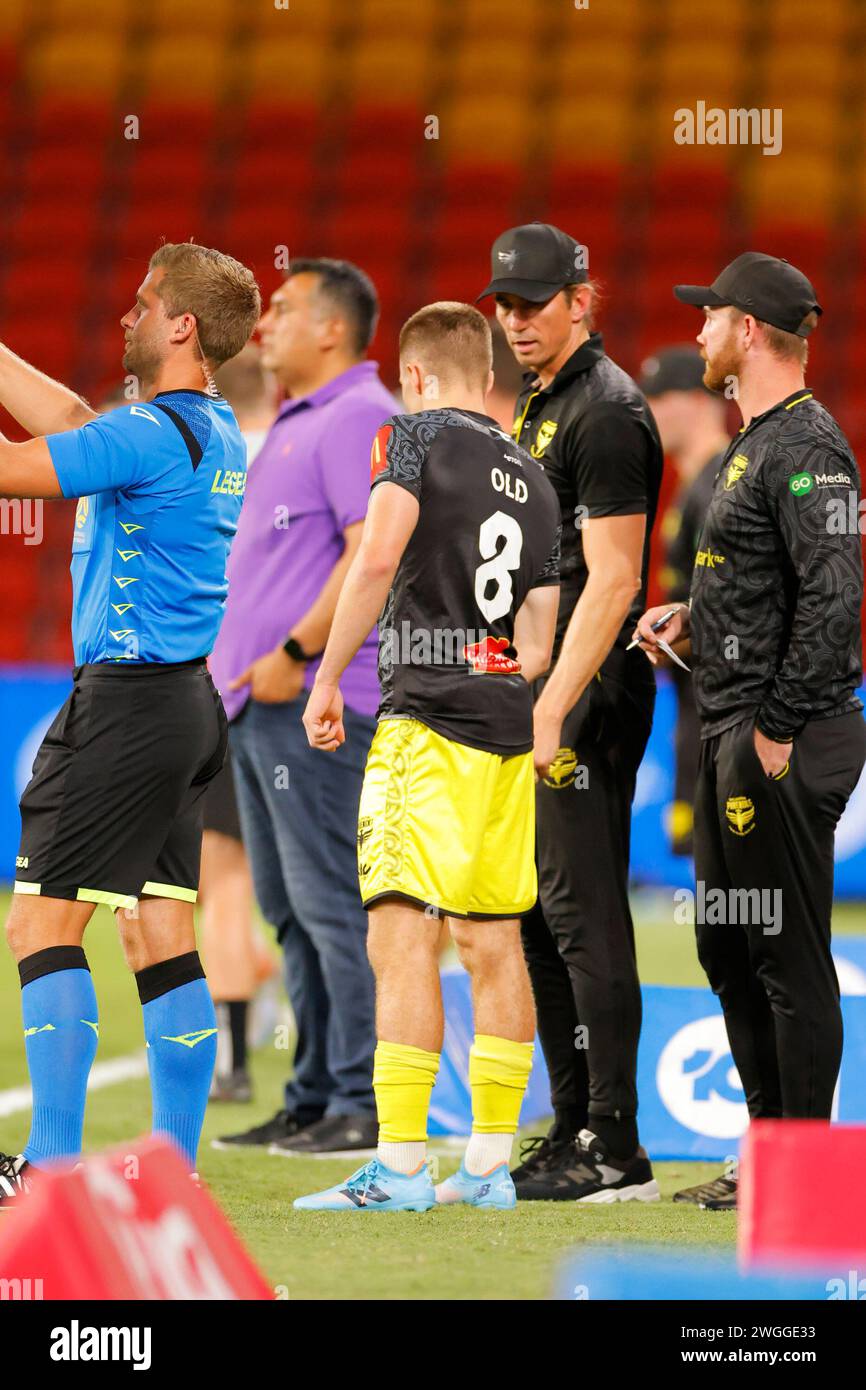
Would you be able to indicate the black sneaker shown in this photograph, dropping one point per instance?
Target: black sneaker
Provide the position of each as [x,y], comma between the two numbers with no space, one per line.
[14,1182]
[540,1154]
[333,1137]
[282,1126]
[720,1190]
[587,1173]
[234,1087]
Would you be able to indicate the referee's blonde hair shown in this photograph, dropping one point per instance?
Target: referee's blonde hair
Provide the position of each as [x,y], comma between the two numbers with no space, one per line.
[450,339]
[221,293]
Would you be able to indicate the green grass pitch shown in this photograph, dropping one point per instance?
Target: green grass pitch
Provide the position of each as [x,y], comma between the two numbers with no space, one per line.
[455,1253]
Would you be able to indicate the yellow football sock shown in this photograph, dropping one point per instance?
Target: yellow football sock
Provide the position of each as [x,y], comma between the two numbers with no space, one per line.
[403,1078]
[498,1073]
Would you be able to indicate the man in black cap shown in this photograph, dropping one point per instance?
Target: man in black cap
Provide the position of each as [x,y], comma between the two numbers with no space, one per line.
[591,428]
[691,424]
[774,625]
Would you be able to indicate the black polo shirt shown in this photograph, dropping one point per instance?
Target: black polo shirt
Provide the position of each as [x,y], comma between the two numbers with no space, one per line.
[595,435]
[778,576]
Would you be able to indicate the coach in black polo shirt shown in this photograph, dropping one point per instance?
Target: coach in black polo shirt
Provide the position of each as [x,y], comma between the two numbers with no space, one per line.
[586,421]
[775,640]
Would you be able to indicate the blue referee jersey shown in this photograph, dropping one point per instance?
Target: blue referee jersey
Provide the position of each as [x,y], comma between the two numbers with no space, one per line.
[160,486]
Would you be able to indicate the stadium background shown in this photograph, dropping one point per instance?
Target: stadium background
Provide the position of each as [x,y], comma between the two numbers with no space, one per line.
[404,135]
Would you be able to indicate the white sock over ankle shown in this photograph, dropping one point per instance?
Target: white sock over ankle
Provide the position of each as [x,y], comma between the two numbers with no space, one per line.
[402,1158]
[486,1151]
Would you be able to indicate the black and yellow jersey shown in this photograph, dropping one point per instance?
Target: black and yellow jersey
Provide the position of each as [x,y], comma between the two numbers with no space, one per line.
[778,577]
[594,434]
[487,533]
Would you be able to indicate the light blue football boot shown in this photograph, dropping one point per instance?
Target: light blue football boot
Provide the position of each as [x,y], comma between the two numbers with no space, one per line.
[493,1189]
[375,1188]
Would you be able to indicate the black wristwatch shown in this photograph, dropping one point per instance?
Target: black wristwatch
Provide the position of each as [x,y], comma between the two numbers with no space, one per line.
[293,648]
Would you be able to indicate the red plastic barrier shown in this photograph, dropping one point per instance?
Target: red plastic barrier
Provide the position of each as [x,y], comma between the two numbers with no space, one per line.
[126,1225]
[802,1195]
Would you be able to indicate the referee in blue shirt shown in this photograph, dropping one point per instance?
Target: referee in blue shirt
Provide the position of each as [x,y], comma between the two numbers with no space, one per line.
[112,813]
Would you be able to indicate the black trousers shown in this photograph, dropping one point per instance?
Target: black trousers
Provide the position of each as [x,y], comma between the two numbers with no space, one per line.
[774,973]
[579,939]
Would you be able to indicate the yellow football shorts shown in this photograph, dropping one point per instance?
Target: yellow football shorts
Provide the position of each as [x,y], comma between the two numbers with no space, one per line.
[446,826]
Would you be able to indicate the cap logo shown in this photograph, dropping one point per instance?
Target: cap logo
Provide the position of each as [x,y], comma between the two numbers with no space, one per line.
[507,258]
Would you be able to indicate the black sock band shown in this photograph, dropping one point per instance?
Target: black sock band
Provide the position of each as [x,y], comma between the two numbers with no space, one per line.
[51,959]
[167,975]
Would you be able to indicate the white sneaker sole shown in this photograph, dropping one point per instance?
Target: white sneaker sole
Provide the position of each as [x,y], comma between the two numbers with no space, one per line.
[640,1192]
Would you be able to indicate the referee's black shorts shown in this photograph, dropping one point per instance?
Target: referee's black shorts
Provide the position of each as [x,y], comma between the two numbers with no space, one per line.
[114,807]
[221,803]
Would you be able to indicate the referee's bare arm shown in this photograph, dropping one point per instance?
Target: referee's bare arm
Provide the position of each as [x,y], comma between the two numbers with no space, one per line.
[39,404]
[26,470]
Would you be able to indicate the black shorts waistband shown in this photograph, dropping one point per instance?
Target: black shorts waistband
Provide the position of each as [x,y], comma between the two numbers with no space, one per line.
[136,668]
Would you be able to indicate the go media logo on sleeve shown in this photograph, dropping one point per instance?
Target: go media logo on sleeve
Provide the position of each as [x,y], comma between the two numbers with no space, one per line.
[801,484]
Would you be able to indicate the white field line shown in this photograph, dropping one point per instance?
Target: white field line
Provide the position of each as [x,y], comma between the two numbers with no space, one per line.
[108,1073]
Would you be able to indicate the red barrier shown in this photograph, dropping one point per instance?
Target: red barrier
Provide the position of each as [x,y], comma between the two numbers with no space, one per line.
[802,1194]
[127,1224]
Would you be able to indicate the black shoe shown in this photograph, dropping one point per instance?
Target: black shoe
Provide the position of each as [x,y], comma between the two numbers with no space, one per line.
[14,1182]
[540,1154]
[723,1190]
[587,1173]
[283,1124]
[332,1137]
[234,1087]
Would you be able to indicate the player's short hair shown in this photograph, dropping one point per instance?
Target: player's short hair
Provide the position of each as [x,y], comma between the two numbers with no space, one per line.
[789,346]
[217,289]
[347,290]
[449,337]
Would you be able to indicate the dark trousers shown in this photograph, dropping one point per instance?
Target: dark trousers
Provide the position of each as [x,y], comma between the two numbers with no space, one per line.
[579,940]
[299,815]
[775,976]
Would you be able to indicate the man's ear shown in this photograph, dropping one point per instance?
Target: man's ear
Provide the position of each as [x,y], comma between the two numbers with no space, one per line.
[183,328]
[332,333]
[581,302]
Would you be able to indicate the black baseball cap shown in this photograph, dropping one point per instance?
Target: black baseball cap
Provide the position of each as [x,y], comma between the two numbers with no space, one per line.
[771,289]
[679,368]
[535,261]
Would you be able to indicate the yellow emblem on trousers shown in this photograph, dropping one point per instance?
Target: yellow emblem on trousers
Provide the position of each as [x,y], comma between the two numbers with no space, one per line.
[562,770]
[546,430]
[740,811]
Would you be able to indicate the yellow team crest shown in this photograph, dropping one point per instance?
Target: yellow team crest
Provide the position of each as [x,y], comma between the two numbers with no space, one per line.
[82,511]
[736,468]
[740,811]
[546,430]
[562,770]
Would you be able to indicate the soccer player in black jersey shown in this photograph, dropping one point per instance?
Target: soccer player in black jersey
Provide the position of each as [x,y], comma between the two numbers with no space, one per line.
[460,555]
[774,625]
[587,423]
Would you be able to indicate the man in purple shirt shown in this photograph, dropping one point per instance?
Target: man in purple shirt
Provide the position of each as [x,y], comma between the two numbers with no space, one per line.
[300,526]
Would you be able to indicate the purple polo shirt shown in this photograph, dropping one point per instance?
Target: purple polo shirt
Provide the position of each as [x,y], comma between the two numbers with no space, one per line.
[310,480]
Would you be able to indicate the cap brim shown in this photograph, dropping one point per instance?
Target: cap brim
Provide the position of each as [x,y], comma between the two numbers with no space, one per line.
[699,295]
[536,291]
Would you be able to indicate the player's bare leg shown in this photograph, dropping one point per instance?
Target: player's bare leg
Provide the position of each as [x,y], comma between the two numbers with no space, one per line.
[229,949]
[500,1059]
[36,924]
[158,939]
[403,947]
